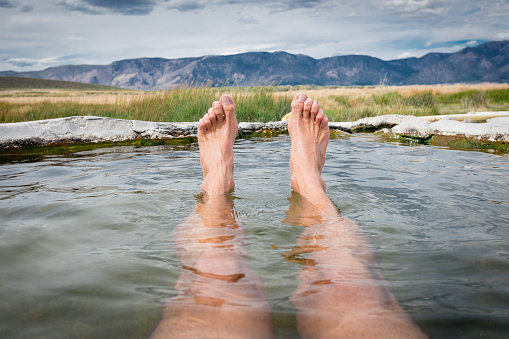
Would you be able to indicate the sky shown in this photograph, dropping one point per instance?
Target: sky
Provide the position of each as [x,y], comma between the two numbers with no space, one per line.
[37,34]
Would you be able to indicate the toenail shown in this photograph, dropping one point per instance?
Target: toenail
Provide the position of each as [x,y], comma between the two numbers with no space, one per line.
[302,97]
[225,100]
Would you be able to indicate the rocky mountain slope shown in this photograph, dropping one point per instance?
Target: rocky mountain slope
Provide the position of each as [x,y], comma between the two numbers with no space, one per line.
[488,62]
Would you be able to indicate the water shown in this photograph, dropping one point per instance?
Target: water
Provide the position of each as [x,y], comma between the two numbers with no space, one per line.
[86,251]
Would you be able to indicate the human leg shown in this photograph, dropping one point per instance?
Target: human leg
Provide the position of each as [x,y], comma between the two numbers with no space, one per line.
[341,292]
[218,295]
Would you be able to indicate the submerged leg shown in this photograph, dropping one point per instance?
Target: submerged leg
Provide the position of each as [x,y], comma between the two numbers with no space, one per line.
[341,293]
[219,296]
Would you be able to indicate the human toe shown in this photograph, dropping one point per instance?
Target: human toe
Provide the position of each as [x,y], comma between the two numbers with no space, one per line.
[306,113]
[325,123]
[206,122]
[298,105]
[319,116]
[228,106]
[322,119]
[315,108]
[201,126]
[216,111]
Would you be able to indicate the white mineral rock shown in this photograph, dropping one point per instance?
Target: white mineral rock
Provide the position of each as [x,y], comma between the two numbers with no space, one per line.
[97,129]
[496,129]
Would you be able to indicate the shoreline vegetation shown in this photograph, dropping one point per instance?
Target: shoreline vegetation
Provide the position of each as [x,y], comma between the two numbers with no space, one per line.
[254,104]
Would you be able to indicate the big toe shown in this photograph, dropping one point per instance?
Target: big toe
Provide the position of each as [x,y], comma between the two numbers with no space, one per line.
[228,107]
[298,103]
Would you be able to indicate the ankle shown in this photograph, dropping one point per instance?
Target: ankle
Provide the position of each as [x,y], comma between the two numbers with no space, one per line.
[302,184]
[215,183]
[315,195]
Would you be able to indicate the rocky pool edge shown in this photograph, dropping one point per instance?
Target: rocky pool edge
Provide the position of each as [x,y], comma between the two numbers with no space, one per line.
[494,128]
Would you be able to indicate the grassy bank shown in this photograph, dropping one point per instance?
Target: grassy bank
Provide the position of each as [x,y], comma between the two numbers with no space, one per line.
[22,83]
[264,103]
[181,104]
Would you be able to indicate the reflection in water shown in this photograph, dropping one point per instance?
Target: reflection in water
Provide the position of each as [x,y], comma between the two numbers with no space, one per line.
[218,295]
[87,247]
[228,278]
[340,291]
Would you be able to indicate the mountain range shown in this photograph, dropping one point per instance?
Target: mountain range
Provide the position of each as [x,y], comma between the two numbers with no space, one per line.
[488,62]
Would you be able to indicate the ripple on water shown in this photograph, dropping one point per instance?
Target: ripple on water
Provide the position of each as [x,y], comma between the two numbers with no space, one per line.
[86,246]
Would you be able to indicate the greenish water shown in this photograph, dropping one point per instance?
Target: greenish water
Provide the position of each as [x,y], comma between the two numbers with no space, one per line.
[86,251]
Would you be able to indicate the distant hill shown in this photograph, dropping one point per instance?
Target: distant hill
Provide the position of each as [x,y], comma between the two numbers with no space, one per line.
[34,83]
[488,62]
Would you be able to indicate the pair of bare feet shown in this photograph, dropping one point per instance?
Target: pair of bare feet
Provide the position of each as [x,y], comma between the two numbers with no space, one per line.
[340,292]
[309,131]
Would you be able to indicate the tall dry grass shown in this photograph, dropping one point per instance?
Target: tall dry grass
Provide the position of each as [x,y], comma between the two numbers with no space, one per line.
[353,103]
[264,103]
[181,104]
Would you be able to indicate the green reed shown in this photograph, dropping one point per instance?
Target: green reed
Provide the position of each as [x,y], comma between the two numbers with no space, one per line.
[176,105]
[351,108]
[261,103]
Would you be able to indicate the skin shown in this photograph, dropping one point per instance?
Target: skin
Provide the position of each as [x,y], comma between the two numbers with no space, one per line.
[341,292]
[217,131]
[218,295]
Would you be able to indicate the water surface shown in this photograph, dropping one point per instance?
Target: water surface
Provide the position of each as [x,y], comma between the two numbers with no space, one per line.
[86,251]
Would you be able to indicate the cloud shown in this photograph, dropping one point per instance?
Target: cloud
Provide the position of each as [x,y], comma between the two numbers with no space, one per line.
[27,8]
[248,21]
[503,36]
[415,8]
[123,7]
[96,30]
[294,4]
[7,4]
[77,6]
[187,6]
[277,6]
[22,62]
[43,62]
[405,55]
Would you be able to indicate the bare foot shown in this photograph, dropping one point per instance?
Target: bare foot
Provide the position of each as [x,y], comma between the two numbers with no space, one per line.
[337,293]
[217,131]
[309,130]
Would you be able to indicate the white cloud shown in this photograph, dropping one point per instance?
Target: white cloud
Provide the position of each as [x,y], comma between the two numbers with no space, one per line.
[26,62]
[415,8]
[405,55]
[387,29]
[271,5]
[502,36]
[124,7]
[22,62]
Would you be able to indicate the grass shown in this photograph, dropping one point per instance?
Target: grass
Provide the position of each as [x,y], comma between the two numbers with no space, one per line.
[263,103]
[416,100]
[13,83]
[177,105]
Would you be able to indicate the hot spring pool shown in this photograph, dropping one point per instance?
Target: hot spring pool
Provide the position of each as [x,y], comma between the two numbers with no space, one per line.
[86,251]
